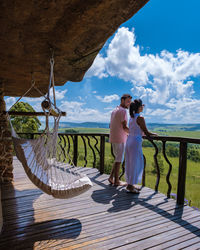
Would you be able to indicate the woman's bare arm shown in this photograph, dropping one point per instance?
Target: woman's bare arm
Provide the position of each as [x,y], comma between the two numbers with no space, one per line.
[142,124]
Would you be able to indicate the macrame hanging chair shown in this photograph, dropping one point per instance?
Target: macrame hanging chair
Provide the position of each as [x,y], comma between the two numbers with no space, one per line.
[44,161]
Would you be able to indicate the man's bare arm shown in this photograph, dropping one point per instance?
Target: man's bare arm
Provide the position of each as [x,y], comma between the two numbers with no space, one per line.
[142,124]
[124,124]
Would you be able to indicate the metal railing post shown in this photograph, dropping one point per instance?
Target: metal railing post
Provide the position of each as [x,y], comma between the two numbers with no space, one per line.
[102,153]
[182,173]
[75,145]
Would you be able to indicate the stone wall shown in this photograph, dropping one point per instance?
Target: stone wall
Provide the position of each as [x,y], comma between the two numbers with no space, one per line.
[1,215]
[6,148]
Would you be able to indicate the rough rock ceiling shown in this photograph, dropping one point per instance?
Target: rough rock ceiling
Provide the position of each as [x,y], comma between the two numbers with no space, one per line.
[75,29]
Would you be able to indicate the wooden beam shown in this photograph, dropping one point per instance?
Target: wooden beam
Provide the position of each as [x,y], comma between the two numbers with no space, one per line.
[30,113]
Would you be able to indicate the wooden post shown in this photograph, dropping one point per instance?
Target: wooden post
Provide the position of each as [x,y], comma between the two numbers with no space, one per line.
[75,142]
[21,113]
[102,153]
[6,149]
[182,173]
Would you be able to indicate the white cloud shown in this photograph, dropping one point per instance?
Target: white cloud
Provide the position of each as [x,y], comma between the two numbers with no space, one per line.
[98,68]
[36,102]
[108,98]
[163,80]
[184,110]
[76,112]
[80,98]
[58,94]
[10,101]
[33,100]
[109,108]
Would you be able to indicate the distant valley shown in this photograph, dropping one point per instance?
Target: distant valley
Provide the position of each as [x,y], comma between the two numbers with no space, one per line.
[177,130]
[151,126]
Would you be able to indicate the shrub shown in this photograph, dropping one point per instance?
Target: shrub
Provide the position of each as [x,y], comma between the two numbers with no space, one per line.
[172,151]
[71,131]
[193,155]
[160,165]
[146,143]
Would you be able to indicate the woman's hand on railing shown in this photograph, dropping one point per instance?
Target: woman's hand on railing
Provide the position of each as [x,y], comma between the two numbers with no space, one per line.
[153,134]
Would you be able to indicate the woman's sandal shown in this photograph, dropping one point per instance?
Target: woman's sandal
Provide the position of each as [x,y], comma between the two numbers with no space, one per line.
[138,188]
[133,191]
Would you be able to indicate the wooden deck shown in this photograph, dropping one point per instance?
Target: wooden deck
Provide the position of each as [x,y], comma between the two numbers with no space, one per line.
[105,217]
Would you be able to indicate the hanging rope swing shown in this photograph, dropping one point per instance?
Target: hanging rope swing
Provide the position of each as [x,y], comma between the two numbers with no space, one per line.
[43,160]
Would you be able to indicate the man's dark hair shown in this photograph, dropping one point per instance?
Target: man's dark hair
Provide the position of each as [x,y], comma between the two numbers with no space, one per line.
[125,96]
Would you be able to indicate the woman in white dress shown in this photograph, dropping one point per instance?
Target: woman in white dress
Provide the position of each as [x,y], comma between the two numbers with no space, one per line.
[134,162]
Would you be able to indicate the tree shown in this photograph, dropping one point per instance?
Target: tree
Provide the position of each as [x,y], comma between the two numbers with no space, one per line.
[24,124]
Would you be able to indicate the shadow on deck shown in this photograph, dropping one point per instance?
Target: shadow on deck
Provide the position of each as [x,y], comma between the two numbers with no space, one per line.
[105,217]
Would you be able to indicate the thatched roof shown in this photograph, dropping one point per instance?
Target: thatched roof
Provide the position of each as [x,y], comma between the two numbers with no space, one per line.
[75,29]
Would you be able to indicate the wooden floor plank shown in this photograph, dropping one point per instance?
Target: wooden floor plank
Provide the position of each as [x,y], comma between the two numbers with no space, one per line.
[116,230]
[100,218]
[105,217]
[124,202]
[129,235]
[94,217]
[188,242]
[194,246]
[166,239]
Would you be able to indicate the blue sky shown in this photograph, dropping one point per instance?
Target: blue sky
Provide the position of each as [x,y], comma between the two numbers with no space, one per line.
[154,56]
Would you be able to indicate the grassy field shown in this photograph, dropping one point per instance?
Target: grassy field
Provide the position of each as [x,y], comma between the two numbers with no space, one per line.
[159,131]
[193,168]
[192,179]
[190,134]
[84,130]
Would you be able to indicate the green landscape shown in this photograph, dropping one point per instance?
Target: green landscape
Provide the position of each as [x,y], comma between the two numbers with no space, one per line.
[172,149]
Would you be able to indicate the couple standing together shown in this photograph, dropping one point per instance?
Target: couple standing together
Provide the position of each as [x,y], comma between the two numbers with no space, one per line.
[132,146]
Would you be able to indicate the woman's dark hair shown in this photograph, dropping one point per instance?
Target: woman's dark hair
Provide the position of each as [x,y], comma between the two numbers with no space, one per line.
[134,106]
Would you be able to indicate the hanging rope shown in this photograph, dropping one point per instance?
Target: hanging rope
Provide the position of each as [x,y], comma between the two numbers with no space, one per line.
[46,104]
[32,86]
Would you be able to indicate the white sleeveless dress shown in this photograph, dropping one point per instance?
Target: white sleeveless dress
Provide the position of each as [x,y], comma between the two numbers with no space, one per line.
[134,162]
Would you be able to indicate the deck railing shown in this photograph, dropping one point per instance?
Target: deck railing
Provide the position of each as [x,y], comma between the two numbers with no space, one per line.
[96,144]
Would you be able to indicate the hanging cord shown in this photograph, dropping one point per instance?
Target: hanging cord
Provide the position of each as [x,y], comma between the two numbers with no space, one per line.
[32,86]
[51,81]
[47,103]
